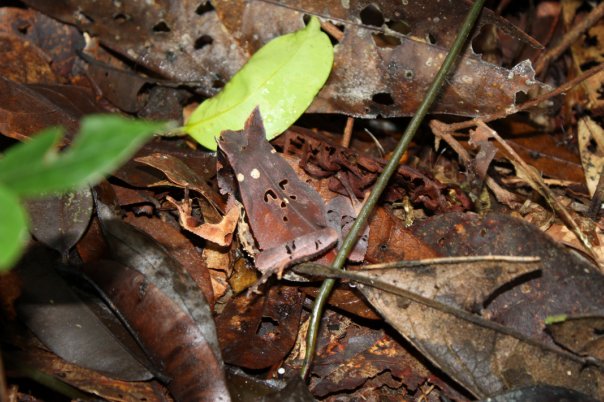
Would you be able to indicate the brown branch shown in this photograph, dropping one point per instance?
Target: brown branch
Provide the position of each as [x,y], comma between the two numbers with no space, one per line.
[347,132]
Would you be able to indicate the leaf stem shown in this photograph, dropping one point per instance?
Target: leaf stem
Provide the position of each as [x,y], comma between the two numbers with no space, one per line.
[382,181]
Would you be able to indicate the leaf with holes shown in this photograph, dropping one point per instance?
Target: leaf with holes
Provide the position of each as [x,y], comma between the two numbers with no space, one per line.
[282,78]
[289,223]
[388,53]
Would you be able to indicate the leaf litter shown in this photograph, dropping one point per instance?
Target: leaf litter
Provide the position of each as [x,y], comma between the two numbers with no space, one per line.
[461,331]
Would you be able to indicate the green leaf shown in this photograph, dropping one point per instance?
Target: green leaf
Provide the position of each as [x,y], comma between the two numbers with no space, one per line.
[103,144]
[13,229]
[556,318]
[282,78]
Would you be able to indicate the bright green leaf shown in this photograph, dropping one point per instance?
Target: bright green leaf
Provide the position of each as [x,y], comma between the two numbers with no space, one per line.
[13,228]
[282,78]
[554,319]
[103,144]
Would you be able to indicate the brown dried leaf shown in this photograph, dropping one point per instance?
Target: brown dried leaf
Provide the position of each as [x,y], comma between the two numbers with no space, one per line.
[181,40]
[169,333]
[27,109]
[182,176]
[568,284]
[582,335]
[60,221]
[289,223]
[87,380]
[396,69]
[257,332]
[180,248]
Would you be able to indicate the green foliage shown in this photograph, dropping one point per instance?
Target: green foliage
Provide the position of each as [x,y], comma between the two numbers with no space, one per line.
[13,228]
[283,77]
[37,167]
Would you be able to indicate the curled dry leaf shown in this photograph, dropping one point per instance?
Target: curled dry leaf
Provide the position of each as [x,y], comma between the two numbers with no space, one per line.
[87,380]
[289,223]
[220,233]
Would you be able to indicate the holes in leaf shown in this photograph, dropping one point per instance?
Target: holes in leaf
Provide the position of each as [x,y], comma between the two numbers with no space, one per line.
[383,98]
[431,39]
[218,83]
[23,29]
[203,8]
[408,74]
[371,15]
[385,41]
[271,194]
[267,326]
[306,19]
[283,204]
[293,197]
[202,42]
[399,26]
[121,18]
[383,247]
[285,218]
[282,184]
[161,27]
[588,64]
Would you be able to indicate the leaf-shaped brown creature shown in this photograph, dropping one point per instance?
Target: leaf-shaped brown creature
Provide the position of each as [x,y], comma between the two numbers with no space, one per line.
[286,215]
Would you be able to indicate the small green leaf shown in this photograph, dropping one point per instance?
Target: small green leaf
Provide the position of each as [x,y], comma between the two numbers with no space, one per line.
[13,229]
[554,319]
[103,144]
[282,78]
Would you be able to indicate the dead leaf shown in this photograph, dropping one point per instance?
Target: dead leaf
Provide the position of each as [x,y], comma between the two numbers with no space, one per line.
[27,109]
[582,335]
[398,60]
[568,283]
[180,248]
[258,331]
[87,380]
[67,325]
[180,40]
[591,147]
[60,221]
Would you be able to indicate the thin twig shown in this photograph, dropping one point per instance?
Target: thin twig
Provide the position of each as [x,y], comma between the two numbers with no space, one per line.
[569,38]
[333,30]
[347,132]
[528,104]
[392,165]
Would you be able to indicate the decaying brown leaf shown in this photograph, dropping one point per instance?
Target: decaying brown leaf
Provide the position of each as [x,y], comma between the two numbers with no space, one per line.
[583,335]
[482,356]
[27,109]
[258,331]
[398,60]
